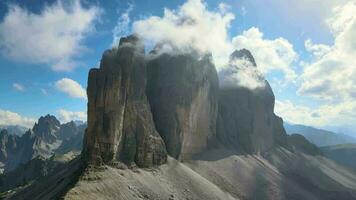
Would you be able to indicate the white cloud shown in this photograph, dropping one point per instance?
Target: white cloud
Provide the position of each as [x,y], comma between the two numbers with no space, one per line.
[71,87]
[122,26]
[18,87]
[270,55]
[51,37]
[12,118]
[318,50]
[243,73]
[192,25]
[67,116]
[324,115]
[332,76]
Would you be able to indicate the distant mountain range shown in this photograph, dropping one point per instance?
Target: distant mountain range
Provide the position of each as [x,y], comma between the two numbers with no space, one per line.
[14,129]
[319,137]
[47,137]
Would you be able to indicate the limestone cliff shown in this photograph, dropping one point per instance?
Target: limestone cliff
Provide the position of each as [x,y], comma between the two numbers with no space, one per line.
[120,124]
[183,94]
[246,118]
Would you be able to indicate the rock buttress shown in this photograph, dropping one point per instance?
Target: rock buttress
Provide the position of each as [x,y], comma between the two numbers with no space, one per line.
[120,124]
[183,94]
[246,119]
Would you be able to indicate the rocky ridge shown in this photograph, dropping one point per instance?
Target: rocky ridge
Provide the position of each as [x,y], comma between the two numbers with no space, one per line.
[45,138]
[157,110]
[142,106]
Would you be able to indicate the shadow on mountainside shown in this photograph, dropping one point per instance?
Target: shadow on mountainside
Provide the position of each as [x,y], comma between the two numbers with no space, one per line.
[54,185]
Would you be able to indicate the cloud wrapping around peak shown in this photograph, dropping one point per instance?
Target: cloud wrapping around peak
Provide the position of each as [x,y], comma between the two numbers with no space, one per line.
[193,25]
[270,55]
[66,116]
[243,73]
[12,118]
[52,37]
[71,88]
[122,26]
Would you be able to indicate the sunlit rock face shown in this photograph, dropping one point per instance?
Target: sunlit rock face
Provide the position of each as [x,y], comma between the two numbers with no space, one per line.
[246,119]
[120,124]
[183,94]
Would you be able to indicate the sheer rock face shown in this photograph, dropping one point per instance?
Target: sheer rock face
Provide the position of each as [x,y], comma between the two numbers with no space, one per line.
[246,118]
[120,124]
[183,94]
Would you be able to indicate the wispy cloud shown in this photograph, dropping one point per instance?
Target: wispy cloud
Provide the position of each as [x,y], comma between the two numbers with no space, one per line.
[18,87]
[122,27]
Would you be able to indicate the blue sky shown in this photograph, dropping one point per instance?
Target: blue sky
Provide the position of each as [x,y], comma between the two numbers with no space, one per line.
[301,46]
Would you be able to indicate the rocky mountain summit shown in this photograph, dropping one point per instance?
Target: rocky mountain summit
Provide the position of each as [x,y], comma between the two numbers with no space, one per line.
[46,137]
[164,125]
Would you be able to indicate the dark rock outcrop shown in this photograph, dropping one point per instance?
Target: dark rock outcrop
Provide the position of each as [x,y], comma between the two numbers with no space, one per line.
[299,143]
[72,136]
[8,145]
[246,118]
[68,130]
[183,93]
[47,128]
[120,124]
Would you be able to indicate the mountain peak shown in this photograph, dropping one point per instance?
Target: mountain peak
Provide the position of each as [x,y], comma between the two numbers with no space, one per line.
[46,128]
[243,54]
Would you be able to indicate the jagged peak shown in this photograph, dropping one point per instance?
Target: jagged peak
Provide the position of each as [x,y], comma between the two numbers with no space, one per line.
[243,54]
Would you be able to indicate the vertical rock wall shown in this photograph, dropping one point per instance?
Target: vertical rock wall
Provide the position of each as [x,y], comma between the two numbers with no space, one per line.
[183,94]
[120,125]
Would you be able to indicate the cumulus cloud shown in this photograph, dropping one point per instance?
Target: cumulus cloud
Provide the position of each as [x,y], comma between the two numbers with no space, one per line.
[193,25]
[332,74]
[51,37]
[324,115]
[270,55]
[71,88]
[12,118]
[18,87]
[67,116]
